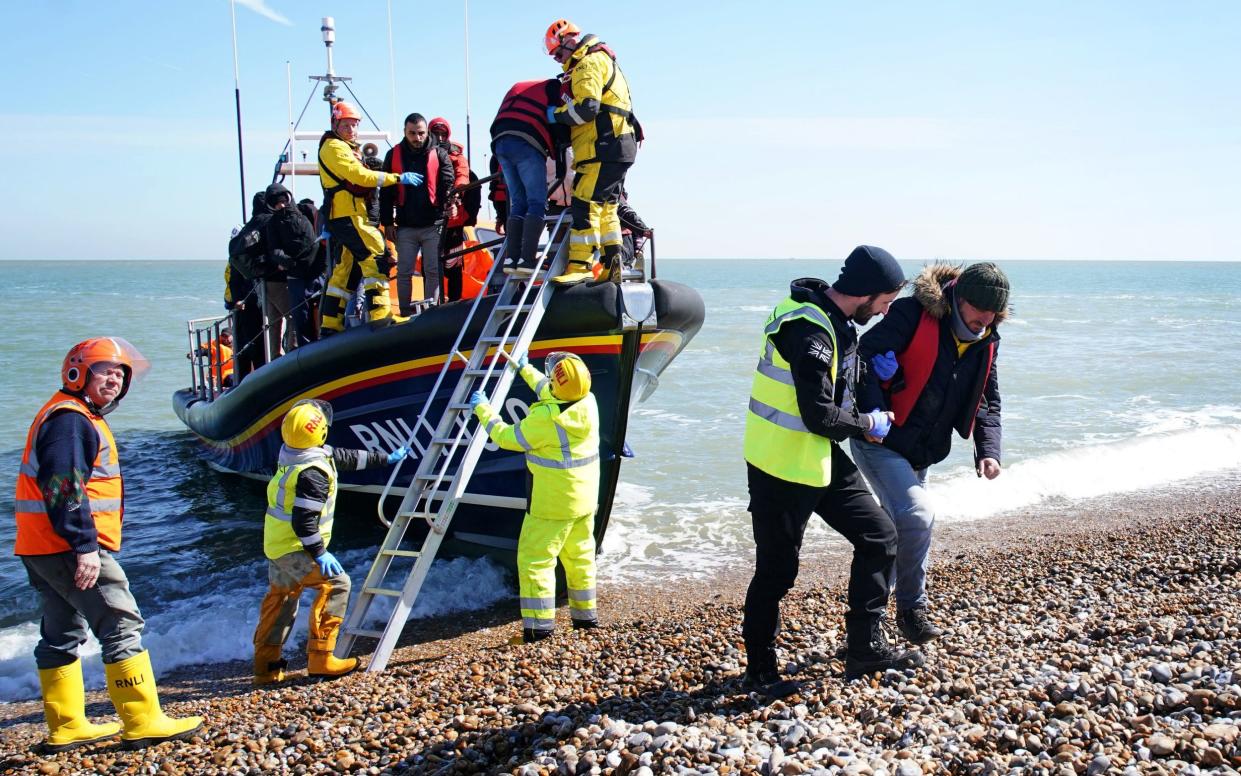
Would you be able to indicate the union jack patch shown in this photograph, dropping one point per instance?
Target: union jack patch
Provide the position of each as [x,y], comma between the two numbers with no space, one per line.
[820,351]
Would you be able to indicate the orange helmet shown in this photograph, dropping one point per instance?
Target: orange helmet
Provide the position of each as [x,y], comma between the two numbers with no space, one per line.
[75,370]
[344,110]
[559,29]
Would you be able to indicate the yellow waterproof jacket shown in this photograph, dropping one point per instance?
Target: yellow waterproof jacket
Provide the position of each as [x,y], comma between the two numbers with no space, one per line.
[340,169]
[599,110]
[561,443]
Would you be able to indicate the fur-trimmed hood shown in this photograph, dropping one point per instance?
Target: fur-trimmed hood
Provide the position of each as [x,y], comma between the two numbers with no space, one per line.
[931,284]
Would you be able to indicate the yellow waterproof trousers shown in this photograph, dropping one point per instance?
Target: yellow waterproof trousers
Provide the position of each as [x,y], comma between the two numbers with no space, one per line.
[287,577]
[597,190]
[541,542]
[361,245]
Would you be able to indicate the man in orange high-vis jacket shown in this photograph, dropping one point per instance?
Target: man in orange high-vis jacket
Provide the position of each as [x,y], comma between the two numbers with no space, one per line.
[69,508]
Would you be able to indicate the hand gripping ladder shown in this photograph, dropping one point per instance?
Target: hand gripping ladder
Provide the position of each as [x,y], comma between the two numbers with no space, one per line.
[449,451]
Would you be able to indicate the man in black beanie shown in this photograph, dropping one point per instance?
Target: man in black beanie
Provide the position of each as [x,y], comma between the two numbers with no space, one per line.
[801,408]
[933,364]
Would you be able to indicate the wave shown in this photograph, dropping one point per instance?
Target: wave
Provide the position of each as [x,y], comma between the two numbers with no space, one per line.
[213,619]
[1151,460]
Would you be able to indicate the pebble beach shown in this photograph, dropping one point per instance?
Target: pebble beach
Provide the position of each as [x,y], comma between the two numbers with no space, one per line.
[1097,637]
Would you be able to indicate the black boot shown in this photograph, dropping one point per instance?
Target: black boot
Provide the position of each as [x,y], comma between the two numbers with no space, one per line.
[916,626]
[869,650]
[766,681]
[513,236]
[530,247]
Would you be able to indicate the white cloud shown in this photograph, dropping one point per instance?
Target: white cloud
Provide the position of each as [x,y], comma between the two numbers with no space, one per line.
[261,8]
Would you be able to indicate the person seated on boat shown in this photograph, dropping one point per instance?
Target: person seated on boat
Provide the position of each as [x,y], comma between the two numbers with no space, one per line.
[346,182]
[70,509]
[560,437]
[219,356]
[605,137]
[456,214]
[293,246]
[301,506]
[412,215]
[522,140]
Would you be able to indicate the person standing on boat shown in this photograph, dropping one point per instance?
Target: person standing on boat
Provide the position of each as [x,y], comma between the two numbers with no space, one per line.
[346,182]
[293,246]
[933,364]
[605,136]
[247,253]
[455,213]
[413,214]
[301,505]
[801,408]
[522,140]
[70,504]
[560,437]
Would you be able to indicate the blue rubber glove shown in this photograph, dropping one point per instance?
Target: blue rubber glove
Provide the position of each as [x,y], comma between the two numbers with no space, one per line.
[522,362]
[328,565]
[551,114]
[325,234]
[397,455]
[411,179]
[882,424]
[477,398]
[885,365]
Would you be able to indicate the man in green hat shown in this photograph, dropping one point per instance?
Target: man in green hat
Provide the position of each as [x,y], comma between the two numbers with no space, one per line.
[932,364]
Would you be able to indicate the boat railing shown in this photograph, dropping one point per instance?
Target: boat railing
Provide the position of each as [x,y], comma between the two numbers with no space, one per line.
[207,368]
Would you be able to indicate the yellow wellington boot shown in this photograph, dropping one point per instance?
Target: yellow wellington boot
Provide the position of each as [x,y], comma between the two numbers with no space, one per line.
[575,272]
[64,706]
[379,308]
[319,658]
[131,683]
[268,665]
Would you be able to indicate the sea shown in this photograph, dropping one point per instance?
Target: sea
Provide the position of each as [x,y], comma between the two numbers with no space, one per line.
[1116,377]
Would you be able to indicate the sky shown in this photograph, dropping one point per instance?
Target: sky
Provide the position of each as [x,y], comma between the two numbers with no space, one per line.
[958,130]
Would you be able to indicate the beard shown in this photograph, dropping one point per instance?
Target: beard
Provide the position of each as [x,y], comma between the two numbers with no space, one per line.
[864,313]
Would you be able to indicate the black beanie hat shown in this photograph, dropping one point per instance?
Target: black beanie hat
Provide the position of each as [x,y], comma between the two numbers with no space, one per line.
[985,286]
[869,270]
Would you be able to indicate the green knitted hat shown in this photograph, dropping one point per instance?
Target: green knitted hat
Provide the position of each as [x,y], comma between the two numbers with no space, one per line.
[985,286]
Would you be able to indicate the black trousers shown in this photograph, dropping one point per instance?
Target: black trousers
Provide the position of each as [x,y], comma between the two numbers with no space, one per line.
[779,512]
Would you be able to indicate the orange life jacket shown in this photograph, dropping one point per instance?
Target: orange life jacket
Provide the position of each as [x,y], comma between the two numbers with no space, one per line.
[221,356]
[105,489]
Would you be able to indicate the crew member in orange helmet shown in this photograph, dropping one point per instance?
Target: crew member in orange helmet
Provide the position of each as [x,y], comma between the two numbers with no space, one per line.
[69,508]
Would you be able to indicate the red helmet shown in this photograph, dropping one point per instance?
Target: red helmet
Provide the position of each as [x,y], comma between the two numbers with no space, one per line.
[440,126]
[559,29]
[344,110]
[75,370]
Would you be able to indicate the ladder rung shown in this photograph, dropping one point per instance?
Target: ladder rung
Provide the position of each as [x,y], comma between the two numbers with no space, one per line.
[401,553]
[447,440]
[459,405]
[476,373]
[508,308]
[370,634]
[492,340]
[381,591]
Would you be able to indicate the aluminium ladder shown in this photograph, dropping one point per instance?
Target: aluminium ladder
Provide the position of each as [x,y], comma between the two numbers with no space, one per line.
[449,451]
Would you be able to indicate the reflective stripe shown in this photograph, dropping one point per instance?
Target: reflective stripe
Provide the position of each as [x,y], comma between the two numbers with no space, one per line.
[314,538]
[566,452]
[773,415]
[30,469]
[24,505]
[582,595]
[105,505]
[806,311]
[768,369]
[339,292]
[581,237]
[107,470]
[279,515]
[583,615]
[572,463]
[492,424]
[368,282]
[538,623]
[571,109]
[306,503]
[610,238]
[521,438]
[538,603]
[544,383]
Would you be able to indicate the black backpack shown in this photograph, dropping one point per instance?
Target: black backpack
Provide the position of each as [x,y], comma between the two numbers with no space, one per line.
[247,250]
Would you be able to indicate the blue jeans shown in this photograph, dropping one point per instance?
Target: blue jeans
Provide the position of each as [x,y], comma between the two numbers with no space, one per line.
[902,492]
[525,175]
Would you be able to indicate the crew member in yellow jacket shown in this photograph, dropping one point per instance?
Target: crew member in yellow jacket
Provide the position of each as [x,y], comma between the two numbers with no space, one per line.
[605,136]
[301,505]
[560,437]
[346,183]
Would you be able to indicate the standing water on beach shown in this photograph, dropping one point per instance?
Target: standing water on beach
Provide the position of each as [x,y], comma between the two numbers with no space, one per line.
[1116,376]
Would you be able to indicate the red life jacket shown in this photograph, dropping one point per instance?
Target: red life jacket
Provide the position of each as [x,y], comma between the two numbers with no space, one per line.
[917,361]
[432,176]
[526,104]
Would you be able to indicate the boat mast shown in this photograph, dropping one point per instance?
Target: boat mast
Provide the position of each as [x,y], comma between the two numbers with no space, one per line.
[241,161]
[468,154]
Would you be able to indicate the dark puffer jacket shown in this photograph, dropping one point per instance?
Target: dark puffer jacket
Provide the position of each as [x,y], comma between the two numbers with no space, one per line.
[961,394]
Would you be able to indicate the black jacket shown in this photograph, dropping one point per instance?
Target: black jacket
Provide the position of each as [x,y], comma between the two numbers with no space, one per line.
[417,210]
[313,488]
[826,407]
[292,242]
[956,385]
